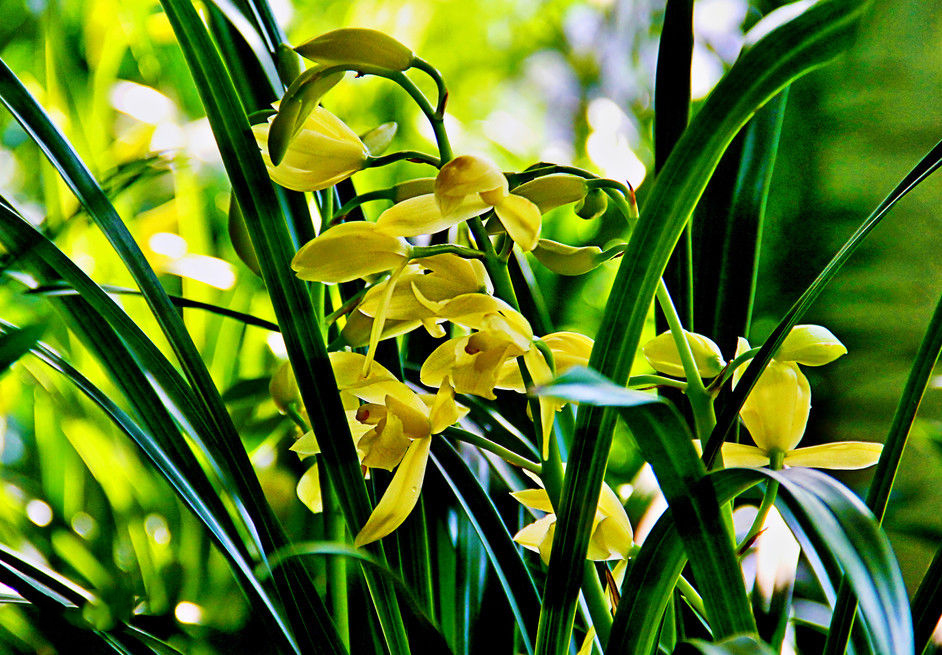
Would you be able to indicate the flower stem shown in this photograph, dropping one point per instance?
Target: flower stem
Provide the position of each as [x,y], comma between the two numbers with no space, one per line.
[771,491]
[403,155]
[486,444]
[445,248]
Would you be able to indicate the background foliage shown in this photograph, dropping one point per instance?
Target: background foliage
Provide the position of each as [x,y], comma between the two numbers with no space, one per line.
[556,80]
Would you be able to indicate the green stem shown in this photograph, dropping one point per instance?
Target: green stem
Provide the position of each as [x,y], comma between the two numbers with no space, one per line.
[768,499]
[403,155]
[436,119]
[356,201]
[656,381]
[461,251]
[701,401]
[432,72]
[488,445]
[596,601]
[292,412]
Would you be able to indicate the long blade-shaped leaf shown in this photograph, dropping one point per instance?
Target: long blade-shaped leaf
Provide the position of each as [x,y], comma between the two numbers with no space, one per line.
[926,166]
[496,539]
[927,603]
[290,298]
[667,444]
[809,41]
[221,435]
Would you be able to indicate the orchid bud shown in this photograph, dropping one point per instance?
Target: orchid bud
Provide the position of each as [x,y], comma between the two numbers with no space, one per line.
[553,191]
[661,352]
[593,205]
[356,46]
[379,138]
[284,388]
[811,345]
[567,260]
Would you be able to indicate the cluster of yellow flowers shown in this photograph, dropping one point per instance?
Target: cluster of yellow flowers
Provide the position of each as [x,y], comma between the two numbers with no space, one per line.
[487,344]
[776,410]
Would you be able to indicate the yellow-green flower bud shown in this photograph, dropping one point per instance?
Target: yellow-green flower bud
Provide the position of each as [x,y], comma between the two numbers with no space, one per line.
[465,175]
[593,205]
[239,236]
[553,191]
[661,352]
[324,152]
[355,46]
[284,388]
[811,345]
[379,138]
[565,259]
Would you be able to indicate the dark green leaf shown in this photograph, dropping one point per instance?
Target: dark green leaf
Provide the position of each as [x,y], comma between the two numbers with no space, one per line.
[823,31]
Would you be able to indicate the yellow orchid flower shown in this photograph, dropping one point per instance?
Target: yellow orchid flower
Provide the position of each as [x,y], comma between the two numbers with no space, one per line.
[349,251]
[403,492]
[776,413]
[322,153]
[465,187]
[473,362]
[662,354]
[569,349]
[435,279]
[611,536]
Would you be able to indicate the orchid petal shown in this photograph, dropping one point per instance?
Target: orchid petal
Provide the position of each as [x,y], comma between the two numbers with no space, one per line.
[401,495]
[840,455]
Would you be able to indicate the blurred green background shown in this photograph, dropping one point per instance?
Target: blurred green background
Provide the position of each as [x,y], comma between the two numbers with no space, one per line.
[562,81]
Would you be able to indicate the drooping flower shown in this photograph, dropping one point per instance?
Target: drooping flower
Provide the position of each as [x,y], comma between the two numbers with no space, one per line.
[349,251]
[465,187]
[322,153]
[776,412]
[611,536]
[473,362]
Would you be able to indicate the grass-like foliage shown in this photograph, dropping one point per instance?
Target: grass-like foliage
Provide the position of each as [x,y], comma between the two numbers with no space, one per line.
[376,440]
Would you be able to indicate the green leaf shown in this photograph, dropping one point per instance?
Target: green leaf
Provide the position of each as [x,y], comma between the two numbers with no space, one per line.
[299,101]
[496,540]
[431,636]
[808,41]
[927,603]
[743,645]
[292,304]
[837,521]
[16,343]
[215,427]
[728,417]
[835,526]
[667,445]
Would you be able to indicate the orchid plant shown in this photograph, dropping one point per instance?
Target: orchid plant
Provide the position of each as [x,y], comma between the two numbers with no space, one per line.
[427,392]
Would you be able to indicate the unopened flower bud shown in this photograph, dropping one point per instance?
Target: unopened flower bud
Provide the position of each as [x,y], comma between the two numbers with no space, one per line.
[379,138]
[239,236]
[661,352]
[284,388]
[356,46]
[593,205]
[465,175]
[811,345]
[553,191]
[565,259]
